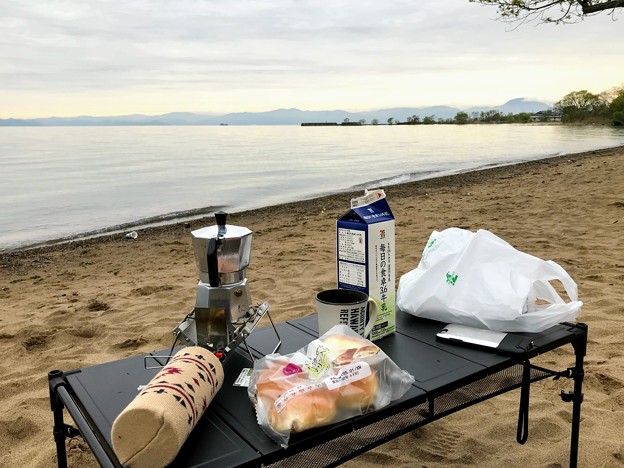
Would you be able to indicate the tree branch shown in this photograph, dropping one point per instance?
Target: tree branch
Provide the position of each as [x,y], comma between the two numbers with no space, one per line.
[524,10]
[589,8]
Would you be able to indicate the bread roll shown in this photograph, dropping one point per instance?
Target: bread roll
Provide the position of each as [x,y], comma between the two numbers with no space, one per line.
[340,343]
[299,410]
[362,393]
[294,401]
[313,409]
[358,395]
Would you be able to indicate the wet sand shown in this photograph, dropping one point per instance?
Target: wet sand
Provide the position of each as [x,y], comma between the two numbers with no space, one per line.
[89,302]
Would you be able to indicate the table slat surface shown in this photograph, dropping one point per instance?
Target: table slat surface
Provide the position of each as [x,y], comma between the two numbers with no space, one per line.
[228,434]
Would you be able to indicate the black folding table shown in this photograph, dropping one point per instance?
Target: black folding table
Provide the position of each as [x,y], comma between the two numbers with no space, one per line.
[448,378]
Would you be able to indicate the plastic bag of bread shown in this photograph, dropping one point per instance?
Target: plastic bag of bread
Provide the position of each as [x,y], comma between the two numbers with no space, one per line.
[336,377]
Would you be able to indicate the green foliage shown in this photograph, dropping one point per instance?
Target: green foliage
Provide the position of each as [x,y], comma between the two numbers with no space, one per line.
[491,116]
[461,118]
[616,108]
[581,106]
[575,107]
[585,107]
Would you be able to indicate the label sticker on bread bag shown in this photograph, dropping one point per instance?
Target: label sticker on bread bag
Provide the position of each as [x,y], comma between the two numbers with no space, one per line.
[281,401]
[244,378]
[317,361]
[348,374]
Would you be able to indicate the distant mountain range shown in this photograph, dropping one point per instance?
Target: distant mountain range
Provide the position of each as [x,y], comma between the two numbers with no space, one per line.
[275,117]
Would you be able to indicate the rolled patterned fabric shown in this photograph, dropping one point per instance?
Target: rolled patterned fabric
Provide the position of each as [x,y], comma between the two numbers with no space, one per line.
[150,431]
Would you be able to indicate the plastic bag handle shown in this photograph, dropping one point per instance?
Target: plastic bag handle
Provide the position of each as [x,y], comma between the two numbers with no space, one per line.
[542,289]
[558,273]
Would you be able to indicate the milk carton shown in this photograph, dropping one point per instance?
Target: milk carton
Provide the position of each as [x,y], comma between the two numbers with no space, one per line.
[365,255]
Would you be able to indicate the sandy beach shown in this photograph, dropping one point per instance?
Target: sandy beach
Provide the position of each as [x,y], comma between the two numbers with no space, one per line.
[89,302]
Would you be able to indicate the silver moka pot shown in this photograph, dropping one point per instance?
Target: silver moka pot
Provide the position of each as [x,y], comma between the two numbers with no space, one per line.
[222,252]
[222,304]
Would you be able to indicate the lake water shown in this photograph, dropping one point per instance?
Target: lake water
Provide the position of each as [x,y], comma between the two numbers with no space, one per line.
[60,182]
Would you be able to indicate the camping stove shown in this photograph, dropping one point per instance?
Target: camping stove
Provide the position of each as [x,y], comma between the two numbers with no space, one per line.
[223,315]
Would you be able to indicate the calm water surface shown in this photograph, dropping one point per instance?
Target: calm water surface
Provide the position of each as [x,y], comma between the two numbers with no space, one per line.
[64,181]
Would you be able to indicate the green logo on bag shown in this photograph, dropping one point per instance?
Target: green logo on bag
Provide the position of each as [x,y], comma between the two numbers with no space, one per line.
[431,242]
[318,364]
[451,278]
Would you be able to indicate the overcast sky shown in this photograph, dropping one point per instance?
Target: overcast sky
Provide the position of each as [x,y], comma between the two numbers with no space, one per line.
[67,58]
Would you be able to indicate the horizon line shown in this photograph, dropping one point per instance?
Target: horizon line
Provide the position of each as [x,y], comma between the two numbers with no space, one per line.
[216,114]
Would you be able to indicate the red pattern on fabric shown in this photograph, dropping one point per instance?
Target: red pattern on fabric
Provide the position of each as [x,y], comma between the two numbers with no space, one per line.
[180,391]
[203,366]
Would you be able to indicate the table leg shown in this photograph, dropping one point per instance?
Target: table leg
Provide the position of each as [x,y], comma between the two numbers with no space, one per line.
[522,433]
[55,378]
[580,350]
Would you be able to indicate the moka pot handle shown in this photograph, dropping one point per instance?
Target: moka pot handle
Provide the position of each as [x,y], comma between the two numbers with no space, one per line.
[213,265]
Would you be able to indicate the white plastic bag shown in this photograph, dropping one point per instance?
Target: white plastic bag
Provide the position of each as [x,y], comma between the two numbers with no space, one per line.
[333,378]
[478,279]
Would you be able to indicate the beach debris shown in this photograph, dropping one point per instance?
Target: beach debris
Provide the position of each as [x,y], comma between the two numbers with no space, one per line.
[149,290]
[131,343]
[35,341]
[97,306]
[131,235]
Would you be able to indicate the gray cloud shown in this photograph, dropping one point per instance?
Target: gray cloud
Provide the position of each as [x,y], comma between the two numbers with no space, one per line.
[72,46]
